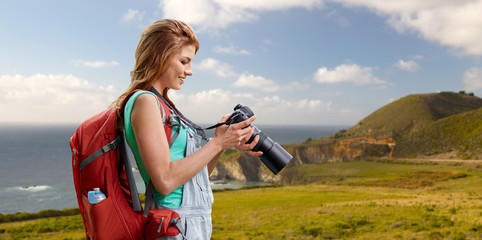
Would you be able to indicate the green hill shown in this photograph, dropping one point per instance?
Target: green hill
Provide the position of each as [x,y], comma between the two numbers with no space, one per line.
[437,125]
[412,113]
[461,133]
[426,125]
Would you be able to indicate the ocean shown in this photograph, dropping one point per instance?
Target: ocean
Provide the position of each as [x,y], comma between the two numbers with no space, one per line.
[36,173]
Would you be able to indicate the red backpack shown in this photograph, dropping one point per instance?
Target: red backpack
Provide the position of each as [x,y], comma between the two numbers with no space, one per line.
[100,160]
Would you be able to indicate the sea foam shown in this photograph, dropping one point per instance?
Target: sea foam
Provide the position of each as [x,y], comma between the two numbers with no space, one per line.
[34,188]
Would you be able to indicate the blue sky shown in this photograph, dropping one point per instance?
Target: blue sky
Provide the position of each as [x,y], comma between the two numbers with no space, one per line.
[305,62]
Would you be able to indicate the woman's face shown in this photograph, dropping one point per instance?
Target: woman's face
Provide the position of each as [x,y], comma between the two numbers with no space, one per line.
[179,68]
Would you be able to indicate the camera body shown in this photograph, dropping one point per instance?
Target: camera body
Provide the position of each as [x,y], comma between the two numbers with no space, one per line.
[274,156]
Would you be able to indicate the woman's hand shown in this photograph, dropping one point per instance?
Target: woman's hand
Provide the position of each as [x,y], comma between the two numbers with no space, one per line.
[248,147]
[236,135]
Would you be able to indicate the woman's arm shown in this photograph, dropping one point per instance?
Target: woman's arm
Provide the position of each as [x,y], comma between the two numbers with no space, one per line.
[213,162]
[154,149]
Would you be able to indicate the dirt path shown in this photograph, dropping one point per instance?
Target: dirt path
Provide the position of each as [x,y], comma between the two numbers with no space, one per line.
[469,161]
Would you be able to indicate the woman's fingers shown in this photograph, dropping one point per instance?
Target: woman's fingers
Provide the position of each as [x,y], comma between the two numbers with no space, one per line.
[224,118]
[244,123]
[249,134]
[248,147]
[254,142]
[254,153]
[235,135]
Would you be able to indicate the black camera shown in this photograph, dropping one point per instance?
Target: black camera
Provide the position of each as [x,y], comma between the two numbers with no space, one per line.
[274,156]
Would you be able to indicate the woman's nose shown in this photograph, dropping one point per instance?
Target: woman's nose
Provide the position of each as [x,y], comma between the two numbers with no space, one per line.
[188,70]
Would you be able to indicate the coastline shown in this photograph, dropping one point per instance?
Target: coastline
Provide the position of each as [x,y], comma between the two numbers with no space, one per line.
[377,199]
[41,155]
[232,185]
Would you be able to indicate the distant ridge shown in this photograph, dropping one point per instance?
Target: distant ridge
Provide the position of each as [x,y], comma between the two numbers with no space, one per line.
[426,124]
[460,134]
[432,126]
[412,113]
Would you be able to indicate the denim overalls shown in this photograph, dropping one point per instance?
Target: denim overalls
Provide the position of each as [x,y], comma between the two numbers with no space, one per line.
[197,199]
[197,196]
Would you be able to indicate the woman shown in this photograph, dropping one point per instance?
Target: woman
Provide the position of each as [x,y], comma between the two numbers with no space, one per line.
[180,173]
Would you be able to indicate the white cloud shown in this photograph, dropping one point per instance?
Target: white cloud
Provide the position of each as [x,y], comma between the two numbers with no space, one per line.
[266,85]
[231,50]
[68,99]
[268,109]
[339,19]
[347,73]
[473,79]
[257,82]
[132,16]
[330,94]
[208,14]
[267,5]
[96,64]
[410,66]
[51,98]
[246,80]
[222,70]
[451,23]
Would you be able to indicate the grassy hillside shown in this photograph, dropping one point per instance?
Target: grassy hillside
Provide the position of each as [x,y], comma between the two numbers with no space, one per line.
[358,200]
[343,200]
[461,133]
[412,113]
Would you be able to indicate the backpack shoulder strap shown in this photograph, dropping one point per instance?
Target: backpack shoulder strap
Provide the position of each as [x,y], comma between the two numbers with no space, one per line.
[160,104]
[136,204]
[110,146]
[174,111]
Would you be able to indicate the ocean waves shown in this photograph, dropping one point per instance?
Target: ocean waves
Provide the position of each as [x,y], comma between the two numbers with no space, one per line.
[31,188]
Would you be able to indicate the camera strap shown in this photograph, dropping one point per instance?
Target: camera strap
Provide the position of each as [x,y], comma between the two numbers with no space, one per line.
[189,122]
[199,130]
[229,122]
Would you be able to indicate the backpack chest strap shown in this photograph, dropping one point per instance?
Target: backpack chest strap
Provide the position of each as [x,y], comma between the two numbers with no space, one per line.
[98,153]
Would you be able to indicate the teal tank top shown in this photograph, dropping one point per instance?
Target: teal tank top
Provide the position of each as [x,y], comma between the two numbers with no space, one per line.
[178,151]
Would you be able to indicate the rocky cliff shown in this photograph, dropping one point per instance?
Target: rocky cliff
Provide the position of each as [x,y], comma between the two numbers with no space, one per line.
[239,166]
[416,125]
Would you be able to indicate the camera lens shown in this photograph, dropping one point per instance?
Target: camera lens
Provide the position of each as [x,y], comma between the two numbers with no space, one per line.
[274,156]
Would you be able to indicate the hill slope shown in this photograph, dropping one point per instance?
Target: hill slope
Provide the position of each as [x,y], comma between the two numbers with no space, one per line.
[412,113]
[413,126]
[461,133]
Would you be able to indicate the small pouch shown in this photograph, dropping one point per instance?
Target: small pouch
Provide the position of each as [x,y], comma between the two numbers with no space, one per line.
[163,223]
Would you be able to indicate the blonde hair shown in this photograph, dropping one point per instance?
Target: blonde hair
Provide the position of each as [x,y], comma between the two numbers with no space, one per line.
[158,44]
